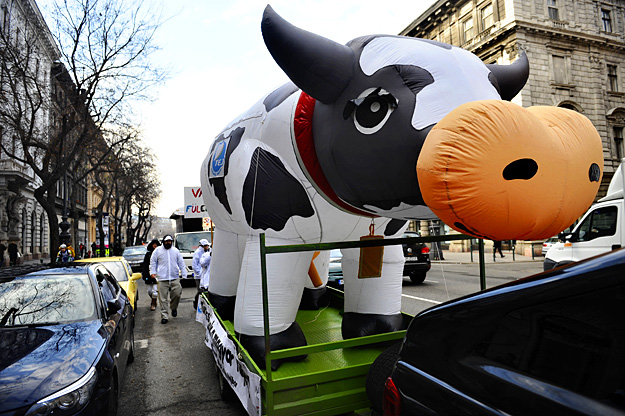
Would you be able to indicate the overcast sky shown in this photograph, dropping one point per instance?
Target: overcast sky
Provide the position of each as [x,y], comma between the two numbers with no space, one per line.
[221,67]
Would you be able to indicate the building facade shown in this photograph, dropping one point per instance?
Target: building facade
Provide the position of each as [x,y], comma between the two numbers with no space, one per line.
[576,50]
[22,220]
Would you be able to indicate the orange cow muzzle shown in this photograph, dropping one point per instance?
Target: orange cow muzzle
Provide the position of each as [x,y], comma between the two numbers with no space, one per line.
[499,171]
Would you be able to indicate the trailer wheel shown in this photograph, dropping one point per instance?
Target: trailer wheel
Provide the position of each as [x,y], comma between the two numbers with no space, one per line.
[379,371]
[226,392]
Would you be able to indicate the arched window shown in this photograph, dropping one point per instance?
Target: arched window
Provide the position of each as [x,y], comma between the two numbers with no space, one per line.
[571,106]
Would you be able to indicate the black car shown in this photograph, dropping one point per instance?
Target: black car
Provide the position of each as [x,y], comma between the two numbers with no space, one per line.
[550,344]
[66,334]
[134,255]
[417,256]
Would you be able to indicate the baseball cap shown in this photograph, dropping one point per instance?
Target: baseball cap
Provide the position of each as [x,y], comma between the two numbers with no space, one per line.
[204,242]
[168,238]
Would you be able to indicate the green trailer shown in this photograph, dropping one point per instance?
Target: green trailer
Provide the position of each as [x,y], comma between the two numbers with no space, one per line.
[331,380]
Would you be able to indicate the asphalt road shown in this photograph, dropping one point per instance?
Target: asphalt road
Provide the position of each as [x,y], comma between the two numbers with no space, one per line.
[173,372]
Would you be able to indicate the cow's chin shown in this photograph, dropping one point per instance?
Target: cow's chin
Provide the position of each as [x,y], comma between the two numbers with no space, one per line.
[403,212]
[495,170]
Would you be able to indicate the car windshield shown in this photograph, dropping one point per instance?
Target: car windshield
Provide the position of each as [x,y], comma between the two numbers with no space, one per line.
[188,243]
[134,251]
[117,269]
[45,300]
[336,254]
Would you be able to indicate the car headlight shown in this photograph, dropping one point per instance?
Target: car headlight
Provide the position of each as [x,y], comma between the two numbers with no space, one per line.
[67,401]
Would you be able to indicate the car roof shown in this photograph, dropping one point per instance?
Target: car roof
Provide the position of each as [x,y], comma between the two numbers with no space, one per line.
[43,269]
[100,259]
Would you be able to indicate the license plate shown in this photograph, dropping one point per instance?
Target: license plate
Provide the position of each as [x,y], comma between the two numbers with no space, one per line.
[412,258]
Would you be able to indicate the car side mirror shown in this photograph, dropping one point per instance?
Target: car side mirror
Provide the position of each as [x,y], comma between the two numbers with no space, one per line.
[568,237]
[136,276]
[113,306]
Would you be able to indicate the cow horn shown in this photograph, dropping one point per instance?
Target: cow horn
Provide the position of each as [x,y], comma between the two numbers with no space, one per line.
[320,67]
[511,78]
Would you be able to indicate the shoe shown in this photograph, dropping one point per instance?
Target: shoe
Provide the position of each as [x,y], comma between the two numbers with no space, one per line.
[502,256]
[174,313]
[163,321]
[153,305]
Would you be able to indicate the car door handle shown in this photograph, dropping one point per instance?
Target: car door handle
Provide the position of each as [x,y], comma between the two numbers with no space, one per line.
[616,246]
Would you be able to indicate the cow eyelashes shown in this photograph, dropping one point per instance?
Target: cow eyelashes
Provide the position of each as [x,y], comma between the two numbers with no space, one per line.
[370,110]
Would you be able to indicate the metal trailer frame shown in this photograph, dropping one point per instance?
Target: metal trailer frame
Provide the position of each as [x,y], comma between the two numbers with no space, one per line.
[326,389]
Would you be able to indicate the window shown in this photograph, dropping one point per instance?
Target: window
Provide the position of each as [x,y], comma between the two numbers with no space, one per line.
[612,78]
[600,223]
[618,142]
[487,16]
[606,20]
[33,223]
[560,73]
[552,9]
[467,29]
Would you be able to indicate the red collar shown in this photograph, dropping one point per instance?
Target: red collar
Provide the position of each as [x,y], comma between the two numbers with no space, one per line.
[305,146]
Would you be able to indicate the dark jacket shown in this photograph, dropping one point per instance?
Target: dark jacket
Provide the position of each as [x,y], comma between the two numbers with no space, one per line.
[145,266]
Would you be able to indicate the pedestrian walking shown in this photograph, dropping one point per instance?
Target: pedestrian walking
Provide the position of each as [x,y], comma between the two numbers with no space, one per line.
[81,250]
[197,268]
[64,255]
[497,247]
[165,265]
[94,248]
[2,250]
[12,254]
[145,273]
[205,262]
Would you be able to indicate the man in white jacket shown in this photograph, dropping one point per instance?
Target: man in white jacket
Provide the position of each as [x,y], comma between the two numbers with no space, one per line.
[197,268]
[166,264]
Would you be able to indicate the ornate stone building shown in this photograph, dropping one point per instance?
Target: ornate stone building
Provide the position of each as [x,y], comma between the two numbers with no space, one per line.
[22,220]
[576,50]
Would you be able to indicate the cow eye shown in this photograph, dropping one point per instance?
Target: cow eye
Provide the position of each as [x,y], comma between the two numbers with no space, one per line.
[370,110]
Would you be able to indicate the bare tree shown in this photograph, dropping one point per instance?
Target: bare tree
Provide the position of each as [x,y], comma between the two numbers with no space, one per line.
[105,48]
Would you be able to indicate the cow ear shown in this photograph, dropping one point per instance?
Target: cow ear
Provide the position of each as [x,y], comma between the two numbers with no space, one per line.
[319,66]
[510,79]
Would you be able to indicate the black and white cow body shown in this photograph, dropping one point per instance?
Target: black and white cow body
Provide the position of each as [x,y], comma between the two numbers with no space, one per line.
[320,165]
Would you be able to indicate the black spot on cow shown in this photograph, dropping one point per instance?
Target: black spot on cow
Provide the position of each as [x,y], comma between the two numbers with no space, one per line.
[415,78]
[393,226]
[278,96]
[219,184]
[271,195]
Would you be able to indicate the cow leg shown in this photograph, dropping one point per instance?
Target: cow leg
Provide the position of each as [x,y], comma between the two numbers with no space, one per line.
[225,267]
[373,305]
[286,274]
[316,294]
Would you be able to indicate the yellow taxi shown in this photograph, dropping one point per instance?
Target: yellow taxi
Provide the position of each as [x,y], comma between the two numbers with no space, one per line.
[123,273]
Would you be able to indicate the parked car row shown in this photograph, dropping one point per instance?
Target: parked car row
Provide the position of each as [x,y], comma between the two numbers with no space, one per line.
[66,336]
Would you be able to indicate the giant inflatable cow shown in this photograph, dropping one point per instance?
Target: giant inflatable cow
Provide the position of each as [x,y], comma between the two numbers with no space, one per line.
[380,131]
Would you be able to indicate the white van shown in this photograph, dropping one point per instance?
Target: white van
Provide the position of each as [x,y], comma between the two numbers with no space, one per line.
[601,229]
[187,243]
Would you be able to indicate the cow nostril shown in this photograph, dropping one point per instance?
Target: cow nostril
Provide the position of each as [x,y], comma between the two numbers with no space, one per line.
[594,173]
[520,169]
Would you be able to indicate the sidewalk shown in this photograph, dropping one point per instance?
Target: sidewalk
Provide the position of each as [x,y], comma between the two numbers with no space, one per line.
[459,258]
